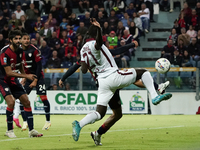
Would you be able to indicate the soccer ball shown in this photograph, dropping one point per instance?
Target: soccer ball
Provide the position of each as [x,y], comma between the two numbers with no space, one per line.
[162,65]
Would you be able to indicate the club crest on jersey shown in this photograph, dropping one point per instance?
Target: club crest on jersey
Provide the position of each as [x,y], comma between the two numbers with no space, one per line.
[29,54]
[20,55]
[6,89]
[5,60]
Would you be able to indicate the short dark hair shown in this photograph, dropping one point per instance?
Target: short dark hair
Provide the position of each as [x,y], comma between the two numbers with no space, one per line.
[25,34]
[14,33]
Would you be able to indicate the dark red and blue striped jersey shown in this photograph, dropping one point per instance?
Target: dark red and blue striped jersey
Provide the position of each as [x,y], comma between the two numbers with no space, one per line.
[10,58]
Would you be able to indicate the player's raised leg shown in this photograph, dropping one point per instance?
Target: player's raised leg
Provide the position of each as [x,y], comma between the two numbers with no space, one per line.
[28,112]
[16,113]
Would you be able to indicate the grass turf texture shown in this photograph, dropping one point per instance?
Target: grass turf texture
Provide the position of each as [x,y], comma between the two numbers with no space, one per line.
[135,132]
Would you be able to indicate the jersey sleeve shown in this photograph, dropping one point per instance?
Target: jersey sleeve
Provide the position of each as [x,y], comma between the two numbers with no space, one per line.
[5,60]
[37,55]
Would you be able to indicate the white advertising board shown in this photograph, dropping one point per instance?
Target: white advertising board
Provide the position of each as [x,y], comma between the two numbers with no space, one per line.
[83,102]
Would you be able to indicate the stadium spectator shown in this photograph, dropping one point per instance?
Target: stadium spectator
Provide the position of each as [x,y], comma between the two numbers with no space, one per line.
[5,31]
[113,40]
[138,4]
[194,19]
[126,57]
[182,20]
[187,60]
[119,6]
[32,13]
[172,4]
[105,14]
[82,29]
[46,32]
[125,20]
[106,29]
[78,45]
[87,19]
[137,20]
[19,12]
[120,30]
[181,47]
[185,37]
[74,21]
[113,21]
[2,41]
[33,42]
[191,32]
[7,13]
[174,36]
[26,24]
[131,10]
[21,28]
[82,4]
[127,37]
[149,4]
[108,5]
[194,49]
[164,5]
[198,9]
[54,61]
[39,40]
[38,25]
[67,87]
[12,23]
[70,33]
[54,87]
[177,27]
[66,13]
[94,12]
[51,21]
[45,53]
[101,19]
[168,50]
[52,41]
[176,59]
[57,30]
[134,31]
[64,24]
[70,52]
[60,51]
[54,12]
[144,15]
[187,11]
[198,37]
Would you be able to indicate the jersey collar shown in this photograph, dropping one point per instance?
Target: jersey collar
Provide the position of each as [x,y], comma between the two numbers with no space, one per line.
[90,39]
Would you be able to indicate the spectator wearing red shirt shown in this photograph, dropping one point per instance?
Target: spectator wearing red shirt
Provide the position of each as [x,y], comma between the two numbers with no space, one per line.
[70,51]
[187,10]
[194,19]
[181,21]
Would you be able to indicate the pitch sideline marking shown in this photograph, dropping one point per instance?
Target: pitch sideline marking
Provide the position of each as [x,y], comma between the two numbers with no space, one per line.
[14,139]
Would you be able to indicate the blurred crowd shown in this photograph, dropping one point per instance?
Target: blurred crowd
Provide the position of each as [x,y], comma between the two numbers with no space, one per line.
[58,32]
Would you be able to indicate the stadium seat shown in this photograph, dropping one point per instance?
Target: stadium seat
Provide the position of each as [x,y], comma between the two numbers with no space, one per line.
[81,17]
[32,35]
[44,18]
[73,80]
[66,64]
[172,74]
[186,74]
[119,16]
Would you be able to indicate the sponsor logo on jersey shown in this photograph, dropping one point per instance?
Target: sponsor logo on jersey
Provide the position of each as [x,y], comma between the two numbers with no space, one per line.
[137,103]
[38,104]
[20,55]
[29,54]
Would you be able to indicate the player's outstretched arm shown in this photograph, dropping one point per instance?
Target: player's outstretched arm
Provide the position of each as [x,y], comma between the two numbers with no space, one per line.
[69,72]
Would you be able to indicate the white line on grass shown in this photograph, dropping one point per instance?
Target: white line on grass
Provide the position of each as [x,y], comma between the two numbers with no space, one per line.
[14,139]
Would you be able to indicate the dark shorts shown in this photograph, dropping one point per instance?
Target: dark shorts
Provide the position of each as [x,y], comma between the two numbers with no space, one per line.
[40,87]
[115,101]
[15,89]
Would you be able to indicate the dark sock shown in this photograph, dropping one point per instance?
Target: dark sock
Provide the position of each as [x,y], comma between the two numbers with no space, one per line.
[102,130]
[29,117]
[9,115]
[155,85]
[22,112]
[46,106]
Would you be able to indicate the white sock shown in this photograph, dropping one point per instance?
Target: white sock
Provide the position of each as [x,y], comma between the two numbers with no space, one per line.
[17,109]
[148,82]
[90,118]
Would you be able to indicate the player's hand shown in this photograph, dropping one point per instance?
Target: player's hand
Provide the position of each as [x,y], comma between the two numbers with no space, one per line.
[31,76]
[61,83]
[33,84]
[23,81]
[94,22]
[136,43]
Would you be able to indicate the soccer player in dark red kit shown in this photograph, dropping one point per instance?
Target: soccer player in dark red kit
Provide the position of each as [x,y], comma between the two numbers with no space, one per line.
[12,60]
[34,66]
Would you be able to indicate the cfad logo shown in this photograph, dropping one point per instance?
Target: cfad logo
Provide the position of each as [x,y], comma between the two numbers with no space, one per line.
[137,103]
[38,104]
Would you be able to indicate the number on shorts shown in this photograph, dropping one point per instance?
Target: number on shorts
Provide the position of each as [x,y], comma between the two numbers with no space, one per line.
[42,87]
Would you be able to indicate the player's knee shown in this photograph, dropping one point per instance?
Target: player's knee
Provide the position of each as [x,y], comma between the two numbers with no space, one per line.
[11,104]
[118,116]
[27,104]
[140,73]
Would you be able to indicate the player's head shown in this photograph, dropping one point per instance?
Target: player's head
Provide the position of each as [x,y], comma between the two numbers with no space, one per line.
[25,40]
[92,32]
[15,38]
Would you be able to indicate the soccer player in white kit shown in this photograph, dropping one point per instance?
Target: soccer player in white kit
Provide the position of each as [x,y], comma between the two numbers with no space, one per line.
[97,58]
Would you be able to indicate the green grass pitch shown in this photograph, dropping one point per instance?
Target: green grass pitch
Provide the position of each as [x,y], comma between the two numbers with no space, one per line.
[132,132]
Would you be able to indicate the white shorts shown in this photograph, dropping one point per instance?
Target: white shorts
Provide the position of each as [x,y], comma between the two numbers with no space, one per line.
[117,80]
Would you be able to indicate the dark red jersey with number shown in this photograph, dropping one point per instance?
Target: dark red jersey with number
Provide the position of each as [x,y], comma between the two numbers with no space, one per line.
[10,58]
[32,55]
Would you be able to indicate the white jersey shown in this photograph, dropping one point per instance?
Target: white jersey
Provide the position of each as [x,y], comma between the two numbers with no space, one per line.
[100,62]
